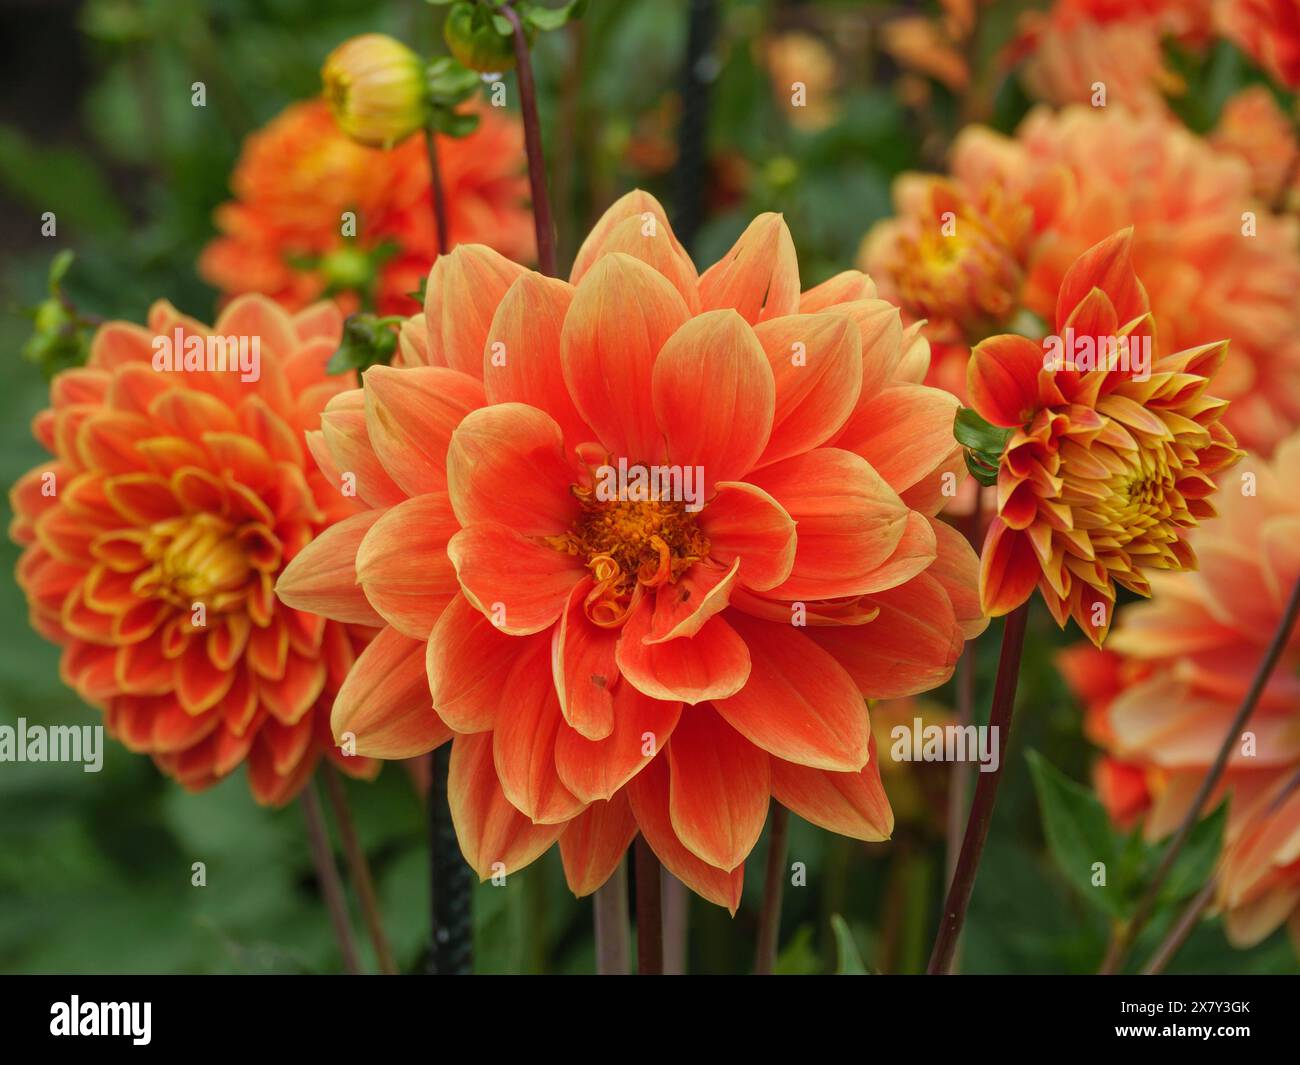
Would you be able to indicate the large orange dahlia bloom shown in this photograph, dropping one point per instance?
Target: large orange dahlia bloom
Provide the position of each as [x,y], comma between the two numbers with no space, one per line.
[612,661]
[1161,697]
[153,537]
[1112,449]
[1216,264]
[283,234]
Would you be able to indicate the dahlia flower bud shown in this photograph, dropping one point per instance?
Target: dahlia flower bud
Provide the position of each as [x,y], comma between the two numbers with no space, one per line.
[375,87]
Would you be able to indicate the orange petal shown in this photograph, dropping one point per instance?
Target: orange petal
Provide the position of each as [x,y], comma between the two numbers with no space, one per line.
[719,788]
[494,836]
[384,707]
[1108,266]
[905,433]
[848,804]
[402,564]
[621,315]
[712,664]
[743,522]
[714,357]
[759,276]
[467,657]
[798,703]
[322,578]
[595,842]
[460,299]
[1002,379]
[506,465]
[584,668]
[1009,569]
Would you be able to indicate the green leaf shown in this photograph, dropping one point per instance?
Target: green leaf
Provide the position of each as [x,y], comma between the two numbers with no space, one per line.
[554,18]
[1079,835]
[59,267]
[1195,864]
[453,124]
[848,960]
[973,432]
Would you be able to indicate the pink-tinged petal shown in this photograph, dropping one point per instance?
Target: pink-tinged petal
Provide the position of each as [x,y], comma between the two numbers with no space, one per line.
[410,417]
[322,578]
[714,395]
[848,521]
[648,793]
[621,315]
[816,360]
[1002,380]
[506,465]
[1009,569]
[912,645]
[848,804]
[521,363]
[681,608]
[460,299]
[799,703]
[494,836]
[743,522]
[596,769]
[343,423]
[595,842]
[1108,266]
[384,709]
[584,667]
[759,276]
[467,657]
[712,664]
[719,788]
[413,343]
[518,584]
[402,564]
[905,433]
[528,724]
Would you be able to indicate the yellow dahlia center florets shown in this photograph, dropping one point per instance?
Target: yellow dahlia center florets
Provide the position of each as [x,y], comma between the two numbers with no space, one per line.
[195,558]
[626,542]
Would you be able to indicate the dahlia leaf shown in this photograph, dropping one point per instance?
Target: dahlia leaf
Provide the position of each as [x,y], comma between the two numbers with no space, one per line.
[1079,835]
[1196,863]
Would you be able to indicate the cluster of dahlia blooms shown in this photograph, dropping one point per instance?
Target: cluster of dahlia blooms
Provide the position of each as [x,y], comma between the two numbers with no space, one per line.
[287,233]
[1110,457]
[1161,697]
[1214,261]
[607,661]
[152,539]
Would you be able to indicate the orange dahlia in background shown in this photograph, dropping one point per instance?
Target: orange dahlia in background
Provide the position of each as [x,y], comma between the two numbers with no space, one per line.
[1211,270]
[153,537]
[1253,127]
[1108,461]
[612,662]
[283,234]
[1268,31]
[1074,46]
[1162,696]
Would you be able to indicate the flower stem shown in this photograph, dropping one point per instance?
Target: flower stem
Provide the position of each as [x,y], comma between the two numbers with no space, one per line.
[327,876]
[542,223]
[609,909]
[359,871]
[649,912]
[1182,928]
[1124,936]
[769,922]
[450,879]
[438,198]
[677,921]
[986,791]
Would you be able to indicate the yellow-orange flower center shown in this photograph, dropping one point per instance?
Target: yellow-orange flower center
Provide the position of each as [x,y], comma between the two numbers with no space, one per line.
[196,558]
[626,543]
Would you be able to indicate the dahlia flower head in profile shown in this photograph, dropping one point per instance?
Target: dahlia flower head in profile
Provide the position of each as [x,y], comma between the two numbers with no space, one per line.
[153,537]
[286,233]
[609,658]
[1110,457]
[1213,259]
[1161,698]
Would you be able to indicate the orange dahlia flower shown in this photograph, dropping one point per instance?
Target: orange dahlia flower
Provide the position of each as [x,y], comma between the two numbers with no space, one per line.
[284,233]
[1214,262]
[1268,31]
[1162,696]
[1111,450]
[1253,127]
[153,537]
[663,658]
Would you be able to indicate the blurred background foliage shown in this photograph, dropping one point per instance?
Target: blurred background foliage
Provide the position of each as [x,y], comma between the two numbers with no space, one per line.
[97,125]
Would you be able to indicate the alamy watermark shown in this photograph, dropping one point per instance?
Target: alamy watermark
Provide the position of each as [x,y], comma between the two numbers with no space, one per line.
[1131,354]
[641,484]
[194,352]
[919,742]
[53,743]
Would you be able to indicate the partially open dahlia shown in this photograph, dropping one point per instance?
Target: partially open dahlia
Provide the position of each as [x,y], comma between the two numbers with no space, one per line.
[612,659]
